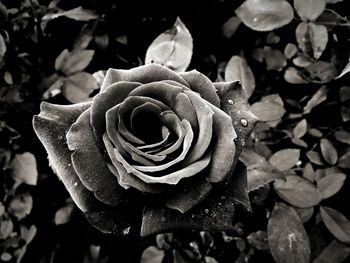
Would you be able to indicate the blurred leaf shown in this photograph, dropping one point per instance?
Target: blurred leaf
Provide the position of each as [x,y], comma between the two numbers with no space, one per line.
[312,39]
[2,47]
[290,50]
[335,252]
[344,93]
[28,234]
[172,49]
[73,62]
[336,223]
[164,241]
[77,88]
[265,15]
[5,257]
[302,61]
[287,237]
[319,97]
[314,157]
[305,213]
[315,132]
[6,228]
[102,41]
[78,13]
[85,36]
[8,78]
[331,184]
[309,9]
[342,136]
[285,159]
[230,27]
[275,59]
[292,75]
[21,205]
[345,113]
[267,111]
[152,255]
[63,214]
[329,153]
[345,70]
[320,72]
[258,240]
[272,38]
[208,259]
[299,142]
[309,172]
[237,69]
[3,13]
[300,129]
[24,168]
[344,160]
[298,191]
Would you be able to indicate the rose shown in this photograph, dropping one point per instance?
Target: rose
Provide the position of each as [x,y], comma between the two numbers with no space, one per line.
[154,142]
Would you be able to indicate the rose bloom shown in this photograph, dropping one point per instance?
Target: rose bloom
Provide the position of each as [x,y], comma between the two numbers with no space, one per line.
[154,151]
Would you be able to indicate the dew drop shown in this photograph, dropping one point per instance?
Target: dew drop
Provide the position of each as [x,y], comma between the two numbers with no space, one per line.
[60,137]
[255,19]
[223,197]
[69,165]
[126,230]
[76,184]
[244,122]
[206,211]
[230,102]
[163,219]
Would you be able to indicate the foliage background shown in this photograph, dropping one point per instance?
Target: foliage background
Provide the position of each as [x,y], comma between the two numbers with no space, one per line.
[298,158]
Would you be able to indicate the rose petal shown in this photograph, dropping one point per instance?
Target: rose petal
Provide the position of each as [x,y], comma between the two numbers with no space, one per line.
[51,126]
[224,148]
[102,102]
[88,162]
[205,120]
[126,179]
[185,110]
[190,193]
[215,213]
[143,74]
[201,84]
[187,142]
[157,145]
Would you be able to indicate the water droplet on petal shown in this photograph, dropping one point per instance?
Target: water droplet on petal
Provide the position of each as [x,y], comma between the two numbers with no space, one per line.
[255,19]
[244,122]
[69,165]
[60,137]
[230,102]
[76,184]
[206,211]
[126,230]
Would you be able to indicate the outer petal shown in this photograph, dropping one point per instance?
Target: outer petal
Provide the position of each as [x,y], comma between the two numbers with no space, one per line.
[215,213]
[106,100]
[201,84]
[89,163]
[51,126]
[143,74]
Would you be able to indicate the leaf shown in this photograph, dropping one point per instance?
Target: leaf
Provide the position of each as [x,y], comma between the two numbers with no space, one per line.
[300,129]
[287,237]
[320,72]
[73,62]
[275,59]
[265,15]
[336,223]
[63,214]
[230,27]
[173,48]
[334,252]
[293,76]
[305,213]
[319,97]
[78,13]
[24,168]
[268,111]
[344,160]
[298,191]
[342,136]
[237,69]
[21,205]
[285,159]
[345,113]
[152,255]
[309,172]
[312,39]
[345,70]
[302,61]
[331,184]
[290,50]
[258,240]
[309,9]
[329,153]
[314,157]
[344,93]
[6,228]
[78,87]
[2,47]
